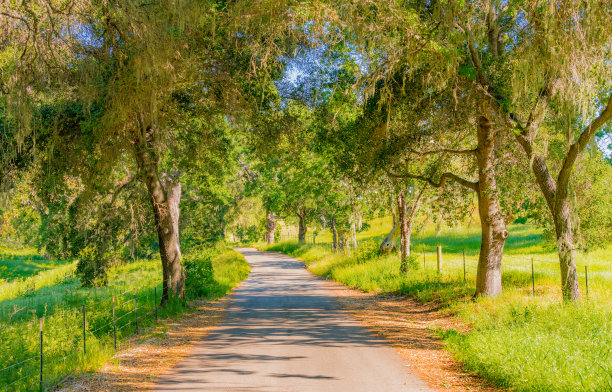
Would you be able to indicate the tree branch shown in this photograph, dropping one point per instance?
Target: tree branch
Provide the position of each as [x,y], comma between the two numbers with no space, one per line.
[440,183]
[417,202]
[444,150]
[122,185]
[580,144]
[476,59]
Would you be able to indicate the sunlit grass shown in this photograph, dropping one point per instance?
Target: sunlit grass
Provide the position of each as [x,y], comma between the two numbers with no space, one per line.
[59,307]
[520,341]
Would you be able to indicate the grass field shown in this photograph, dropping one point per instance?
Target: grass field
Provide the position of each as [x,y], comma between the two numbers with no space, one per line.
[59,307]
[24,263]
[519,341]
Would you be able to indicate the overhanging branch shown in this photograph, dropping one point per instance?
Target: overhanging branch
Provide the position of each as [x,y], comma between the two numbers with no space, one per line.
[444,150]
[443,178]
[583,140]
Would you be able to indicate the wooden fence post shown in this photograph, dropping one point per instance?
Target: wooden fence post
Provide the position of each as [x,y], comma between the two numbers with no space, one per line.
[463,265]
[586,277]
[114,325]
[84,337]
[41,356]
[135,313]
[532,278]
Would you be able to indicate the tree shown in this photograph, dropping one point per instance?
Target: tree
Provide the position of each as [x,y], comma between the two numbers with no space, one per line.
[136,70]
[543,69]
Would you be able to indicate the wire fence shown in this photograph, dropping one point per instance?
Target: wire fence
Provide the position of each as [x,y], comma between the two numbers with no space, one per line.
[40,352]
[460,264]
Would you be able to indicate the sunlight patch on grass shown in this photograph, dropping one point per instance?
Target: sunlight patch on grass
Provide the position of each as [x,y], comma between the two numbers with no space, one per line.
[518,341]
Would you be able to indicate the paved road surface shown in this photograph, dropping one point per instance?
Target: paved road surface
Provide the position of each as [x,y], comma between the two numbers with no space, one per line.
[285,331]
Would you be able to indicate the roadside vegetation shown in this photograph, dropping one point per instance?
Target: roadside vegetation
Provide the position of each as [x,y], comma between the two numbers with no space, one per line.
[135,131]
[514,340]
[58,307]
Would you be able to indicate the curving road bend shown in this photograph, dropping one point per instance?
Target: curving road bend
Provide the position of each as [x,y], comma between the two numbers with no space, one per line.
[285,331]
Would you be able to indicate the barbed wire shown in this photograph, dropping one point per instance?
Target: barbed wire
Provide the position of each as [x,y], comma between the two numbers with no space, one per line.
[125,325]
[4,388]
[126,314]
[18,363]
[64,327]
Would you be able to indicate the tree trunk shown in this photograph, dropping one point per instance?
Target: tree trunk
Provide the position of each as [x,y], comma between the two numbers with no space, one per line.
[342,240]
[270,227]
[556,196]
[565,248]
[493,226]
[406,226]
[302,228]
[354,235]
[388,243]
[404,233]
[334,234]
[165,199]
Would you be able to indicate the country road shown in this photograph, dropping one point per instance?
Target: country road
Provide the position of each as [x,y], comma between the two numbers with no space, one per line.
[285,331]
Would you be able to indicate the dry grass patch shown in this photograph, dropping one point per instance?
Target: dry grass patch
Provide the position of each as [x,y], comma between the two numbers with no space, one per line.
[137,367]
[409,327]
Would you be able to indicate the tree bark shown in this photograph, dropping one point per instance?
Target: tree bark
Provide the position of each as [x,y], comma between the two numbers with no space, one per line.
[493,226]
[388,243]
[354,235]
[404,234]
[406,220]
[270,227]
[556,196]
[165,200]
[565,247]
[334,234]
[302,228]
[342,240]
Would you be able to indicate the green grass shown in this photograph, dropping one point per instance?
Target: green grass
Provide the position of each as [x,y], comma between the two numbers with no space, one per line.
[59,307]
[23,263]
[518,341]
[229,269]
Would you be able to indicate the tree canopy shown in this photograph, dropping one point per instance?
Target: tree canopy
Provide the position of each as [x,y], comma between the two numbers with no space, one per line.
[130,128]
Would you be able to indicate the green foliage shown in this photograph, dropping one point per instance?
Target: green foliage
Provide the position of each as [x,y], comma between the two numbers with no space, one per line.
[516,340]
[28,273]
[91,268]
[230,268]
[198,272]
[525,347]
[368,249]
[414,262]
[59,305]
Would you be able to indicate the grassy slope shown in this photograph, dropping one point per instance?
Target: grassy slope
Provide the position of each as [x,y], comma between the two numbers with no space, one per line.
[526,343]
[23,263]
[61,306]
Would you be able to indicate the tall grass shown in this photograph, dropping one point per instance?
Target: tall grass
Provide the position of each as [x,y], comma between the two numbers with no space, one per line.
[520,341]
[132,290]
[27,286]
[21,263]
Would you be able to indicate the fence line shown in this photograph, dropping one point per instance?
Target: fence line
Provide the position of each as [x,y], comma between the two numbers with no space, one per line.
[145,302]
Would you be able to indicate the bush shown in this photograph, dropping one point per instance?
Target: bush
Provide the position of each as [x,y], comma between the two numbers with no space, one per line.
[367,250]
[199,272]
[92,267]
[414,262]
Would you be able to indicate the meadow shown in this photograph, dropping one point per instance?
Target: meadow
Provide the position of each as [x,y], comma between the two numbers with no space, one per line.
[520,340]
[57,304]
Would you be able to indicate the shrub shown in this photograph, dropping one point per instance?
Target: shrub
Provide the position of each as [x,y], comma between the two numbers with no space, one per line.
[414,262]
[199,272]
[367,250]
[92,267]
